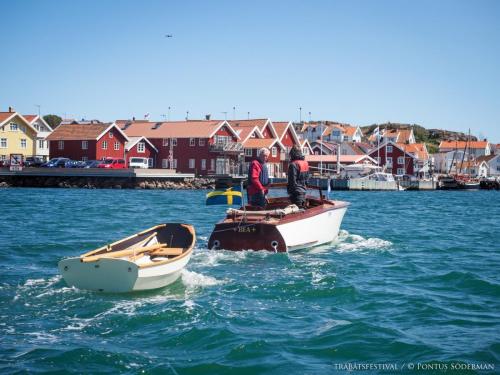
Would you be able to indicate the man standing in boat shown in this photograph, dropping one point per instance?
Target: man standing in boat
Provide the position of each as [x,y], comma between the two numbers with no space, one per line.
[298,173]
[258,179]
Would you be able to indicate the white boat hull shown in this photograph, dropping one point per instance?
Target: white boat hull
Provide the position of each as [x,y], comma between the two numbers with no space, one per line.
[119,275]
[312,231]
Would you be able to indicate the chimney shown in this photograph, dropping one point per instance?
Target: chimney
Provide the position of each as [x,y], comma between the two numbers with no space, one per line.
[11,109]
[133,118]
[207,117]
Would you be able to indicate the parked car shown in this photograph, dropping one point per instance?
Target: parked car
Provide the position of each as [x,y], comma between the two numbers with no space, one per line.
[138,163]
[33,161]
[55,163]
[92,163]
[112,163]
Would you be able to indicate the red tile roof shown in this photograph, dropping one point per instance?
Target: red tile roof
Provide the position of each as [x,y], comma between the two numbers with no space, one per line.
[333,158]
[77,132]
[259,142]
[417,149]
[30,118]
[174,129]
[461,144]
[5,115]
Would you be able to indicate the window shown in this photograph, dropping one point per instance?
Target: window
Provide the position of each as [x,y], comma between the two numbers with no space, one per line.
[248,152]
[174,164]
[60,145]
[201,142]
[389,161]
[3,157]
[23,142]
[191,163]
[110,134]
[174,141]
[37,127]
[378,160]
[401,160]
[85,145]
[13,127]
[221,139]
[104,145]
[117,146]
[203,164]
[252,135]
[23,128]
[192,142]
[41,143]
[274,151]
[401,171]
[212,164]
[85,158]
[141,147]
[389,148]
[164,163]
[165,142]
[3,142]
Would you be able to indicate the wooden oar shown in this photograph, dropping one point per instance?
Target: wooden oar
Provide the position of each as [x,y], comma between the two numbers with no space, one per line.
[167,251]
[109,248]
[123,253]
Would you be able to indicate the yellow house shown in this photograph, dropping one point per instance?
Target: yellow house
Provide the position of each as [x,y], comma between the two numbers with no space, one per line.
[17,136]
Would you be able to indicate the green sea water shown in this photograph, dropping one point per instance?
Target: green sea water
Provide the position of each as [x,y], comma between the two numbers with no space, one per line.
[413,280]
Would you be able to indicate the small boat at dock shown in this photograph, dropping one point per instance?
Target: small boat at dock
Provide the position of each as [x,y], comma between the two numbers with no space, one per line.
[150,259]
[281,227]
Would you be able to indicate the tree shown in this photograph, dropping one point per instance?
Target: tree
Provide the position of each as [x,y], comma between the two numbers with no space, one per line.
[52,120]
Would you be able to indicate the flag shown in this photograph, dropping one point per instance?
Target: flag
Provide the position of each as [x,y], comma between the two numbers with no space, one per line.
[228,196]
[146,116]
[376,132]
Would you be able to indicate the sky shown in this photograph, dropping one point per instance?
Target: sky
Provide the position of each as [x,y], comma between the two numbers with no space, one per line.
[432,63]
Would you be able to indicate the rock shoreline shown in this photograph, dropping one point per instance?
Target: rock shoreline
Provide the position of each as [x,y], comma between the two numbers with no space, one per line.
[107,183]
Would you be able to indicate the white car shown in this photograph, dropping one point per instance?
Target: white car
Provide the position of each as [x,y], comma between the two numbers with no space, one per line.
[138,163]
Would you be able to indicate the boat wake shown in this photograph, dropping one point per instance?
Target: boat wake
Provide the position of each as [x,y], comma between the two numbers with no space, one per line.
[192,280]
[347,242]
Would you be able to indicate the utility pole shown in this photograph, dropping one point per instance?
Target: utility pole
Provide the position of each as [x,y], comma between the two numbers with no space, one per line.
[248,115]
[300,114]
[234,113]
[187,115]
[168,114]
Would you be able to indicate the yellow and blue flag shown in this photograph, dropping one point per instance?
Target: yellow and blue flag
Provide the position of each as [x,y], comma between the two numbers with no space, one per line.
[228,196]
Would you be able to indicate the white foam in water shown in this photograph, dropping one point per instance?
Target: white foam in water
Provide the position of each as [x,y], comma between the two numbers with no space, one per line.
[352,242]
[192,279]
[213,258]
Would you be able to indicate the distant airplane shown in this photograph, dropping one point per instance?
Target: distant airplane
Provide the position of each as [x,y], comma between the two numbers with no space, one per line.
[168,36]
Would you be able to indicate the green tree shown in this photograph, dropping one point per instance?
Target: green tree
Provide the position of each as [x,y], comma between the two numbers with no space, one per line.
[52,120]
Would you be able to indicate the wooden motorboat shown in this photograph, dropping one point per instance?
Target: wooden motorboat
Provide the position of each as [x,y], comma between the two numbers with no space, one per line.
[147,260]
[280,227]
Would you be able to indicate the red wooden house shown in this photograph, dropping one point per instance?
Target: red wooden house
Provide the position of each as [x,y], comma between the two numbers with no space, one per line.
[395,160]
[276,157]
[201,147]
[87,142]
[141,147]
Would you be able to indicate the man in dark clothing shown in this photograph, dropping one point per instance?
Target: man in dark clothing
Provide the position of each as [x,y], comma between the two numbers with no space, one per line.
[258,179]
[298,173]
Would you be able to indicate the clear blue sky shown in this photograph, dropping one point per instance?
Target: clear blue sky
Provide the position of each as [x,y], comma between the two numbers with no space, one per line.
[435,63]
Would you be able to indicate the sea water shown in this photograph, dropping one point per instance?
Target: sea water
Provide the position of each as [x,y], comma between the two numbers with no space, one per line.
[413,280]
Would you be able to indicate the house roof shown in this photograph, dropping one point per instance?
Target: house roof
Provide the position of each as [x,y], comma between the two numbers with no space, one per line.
[462,144]
[7,116]
[75,132]
[399,146]
[262,142]
[486,158]
[177,129]
[418,149]
[30,118]
[4,116]
[343,158]
[350,131]
[246,131]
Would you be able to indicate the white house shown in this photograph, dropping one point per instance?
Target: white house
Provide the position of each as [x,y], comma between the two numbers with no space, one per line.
[43,131]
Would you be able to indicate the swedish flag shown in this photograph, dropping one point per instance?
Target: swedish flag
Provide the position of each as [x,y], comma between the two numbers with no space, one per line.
[229,196]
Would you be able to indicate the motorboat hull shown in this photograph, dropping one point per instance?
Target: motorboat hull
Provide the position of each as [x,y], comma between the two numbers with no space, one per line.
[307,228]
